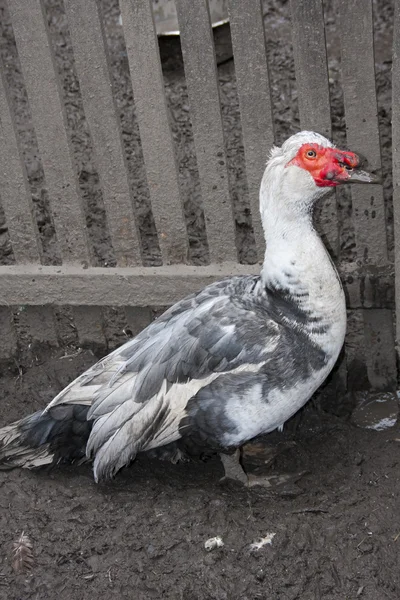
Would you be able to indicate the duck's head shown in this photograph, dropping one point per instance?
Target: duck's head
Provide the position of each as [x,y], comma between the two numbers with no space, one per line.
[307,166]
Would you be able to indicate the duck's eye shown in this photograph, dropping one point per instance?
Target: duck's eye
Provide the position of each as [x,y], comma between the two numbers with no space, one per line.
[311,154]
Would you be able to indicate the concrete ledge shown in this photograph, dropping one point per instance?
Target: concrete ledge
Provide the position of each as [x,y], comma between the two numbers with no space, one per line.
[160,286]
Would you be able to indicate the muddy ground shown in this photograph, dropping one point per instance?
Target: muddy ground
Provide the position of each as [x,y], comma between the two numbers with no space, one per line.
[337,526]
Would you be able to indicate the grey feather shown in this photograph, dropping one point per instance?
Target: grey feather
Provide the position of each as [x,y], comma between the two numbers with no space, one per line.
[211,332]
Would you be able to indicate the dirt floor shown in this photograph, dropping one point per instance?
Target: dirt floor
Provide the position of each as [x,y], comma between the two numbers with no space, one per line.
[337,527]
[336,520]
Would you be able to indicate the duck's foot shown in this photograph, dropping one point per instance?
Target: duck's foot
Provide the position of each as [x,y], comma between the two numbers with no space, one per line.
[284,483]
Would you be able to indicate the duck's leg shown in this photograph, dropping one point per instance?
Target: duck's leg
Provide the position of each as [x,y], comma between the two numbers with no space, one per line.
[233,468]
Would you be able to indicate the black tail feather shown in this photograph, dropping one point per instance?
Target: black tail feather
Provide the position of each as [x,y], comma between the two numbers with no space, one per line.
[57,435]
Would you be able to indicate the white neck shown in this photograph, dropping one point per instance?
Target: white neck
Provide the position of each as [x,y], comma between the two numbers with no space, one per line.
[297,263]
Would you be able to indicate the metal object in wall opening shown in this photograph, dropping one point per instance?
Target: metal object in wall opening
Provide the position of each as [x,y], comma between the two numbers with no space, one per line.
[166,18]
[166,22]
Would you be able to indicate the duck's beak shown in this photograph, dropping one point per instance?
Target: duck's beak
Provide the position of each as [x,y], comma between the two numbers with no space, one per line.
[360,176]
[350,167]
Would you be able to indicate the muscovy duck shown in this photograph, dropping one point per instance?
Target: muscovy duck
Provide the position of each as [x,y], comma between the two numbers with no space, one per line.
[224,365]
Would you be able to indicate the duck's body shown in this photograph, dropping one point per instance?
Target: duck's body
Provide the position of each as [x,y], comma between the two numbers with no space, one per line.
[220,367]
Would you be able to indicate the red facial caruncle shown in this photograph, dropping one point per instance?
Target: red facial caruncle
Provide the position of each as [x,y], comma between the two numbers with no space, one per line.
[329,167]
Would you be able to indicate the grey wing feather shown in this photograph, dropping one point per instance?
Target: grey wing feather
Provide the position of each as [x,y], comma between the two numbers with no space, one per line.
[146,384]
